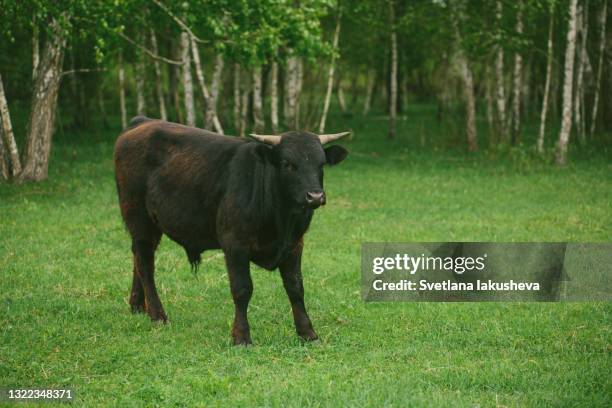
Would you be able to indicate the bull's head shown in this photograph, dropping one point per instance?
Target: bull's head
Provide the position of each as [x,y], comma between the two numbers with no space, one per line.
[299,158]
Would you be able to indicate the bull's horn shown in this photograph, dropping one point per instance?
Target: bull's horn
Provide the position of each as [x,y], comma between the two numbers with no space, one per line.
[331,137]
[269,139]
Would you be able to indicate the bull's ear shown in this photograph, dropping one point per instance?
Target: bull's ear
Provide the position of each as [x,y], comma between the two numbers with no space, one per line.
[335,154]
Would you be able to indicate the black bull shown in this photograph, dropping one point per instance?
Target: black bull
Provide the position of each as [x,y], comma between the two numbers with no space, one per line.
[252,199]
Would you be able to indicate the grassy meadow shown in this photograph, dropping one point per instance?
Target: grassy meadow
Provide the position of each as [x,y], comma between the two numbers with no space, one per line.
[65,273]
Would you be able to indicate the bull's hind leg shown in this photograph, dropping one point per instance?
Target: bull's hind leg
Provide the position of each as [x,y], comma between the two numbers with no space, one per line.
[145,239]
[144,257]
[137,298]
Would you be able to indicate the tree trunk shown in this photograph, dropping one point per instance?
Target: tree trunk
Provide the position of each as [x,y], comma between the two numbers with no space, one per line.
[44,104]
[244,105]
[187,80]
[549,63]
[367,104]
[517,78]
[468,80]
[175,75]
[4,168]
[330,76]
[291,92]
[602,49]
[499,77]
[237,97]
[274,96]
[489,99]
[216,124]
[340,95]
[158,79]
[258,118]
[121,72]
[35,49]
[393,73]
[581,31]
[13,163]
[212,120]
[140,74]
[566,121]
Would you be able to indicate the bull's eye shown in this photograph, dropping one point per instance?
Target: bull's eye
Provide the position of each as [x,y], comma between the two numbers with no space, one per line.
[289,166]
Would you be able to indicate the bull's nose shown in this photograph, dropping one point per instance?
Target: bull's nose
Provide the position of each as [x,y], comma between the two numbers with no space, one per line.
[315,198]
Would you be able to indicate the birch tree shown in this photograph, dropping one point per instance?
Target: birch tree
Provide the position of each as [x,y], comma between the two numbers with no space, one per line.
[370,84]
[330,75]
[158,78]
[121,81]
[393,72]
[602,48]
[187,80]
[10,154]
[237,97]
[274,96]
[216,124]
[549,63]
[44,104]
[566,120]
[499,74]
[215,85]
[292,83]
[258,117]
[581,33]
[466,76]
[517,77]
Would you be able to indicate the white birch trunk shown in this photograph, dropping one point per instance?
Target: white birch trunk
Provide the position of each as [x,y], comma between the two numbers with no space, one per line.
[141,107]
[489,99]
[187,80]
[499,77]
[121,73]
[290,108]
[244,105]
[274,96]
[299,82]
[340,95]
[158,78]
[602,49]
[212,121]
[258,118]
[237,97]
[4,168]
[35,49]
[581,32]
[216,124]
[566,121]
[367,104]
[13,163]
[393,73]
[330,76]
[517,78]
[44,103]
[549,62]
[468,81]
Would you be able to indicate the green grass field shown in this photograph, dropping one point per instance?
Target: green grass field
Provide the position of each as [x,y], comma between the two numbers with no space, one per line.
[65,272]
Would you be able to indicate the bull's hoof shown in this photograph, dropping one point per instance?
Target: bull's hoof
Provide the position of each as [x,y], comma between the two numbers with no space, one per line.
[138,308]
[158,316]
[241,339]
[309,335]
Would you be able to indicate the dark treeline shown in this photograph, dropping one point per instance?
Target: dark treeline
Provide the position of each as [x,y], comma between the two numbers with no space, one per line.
[265,66]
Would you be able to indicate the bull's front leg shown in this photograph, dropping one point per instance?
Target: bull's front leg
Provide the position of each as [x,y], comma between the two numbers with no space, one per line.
[237,261]
[291,272]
